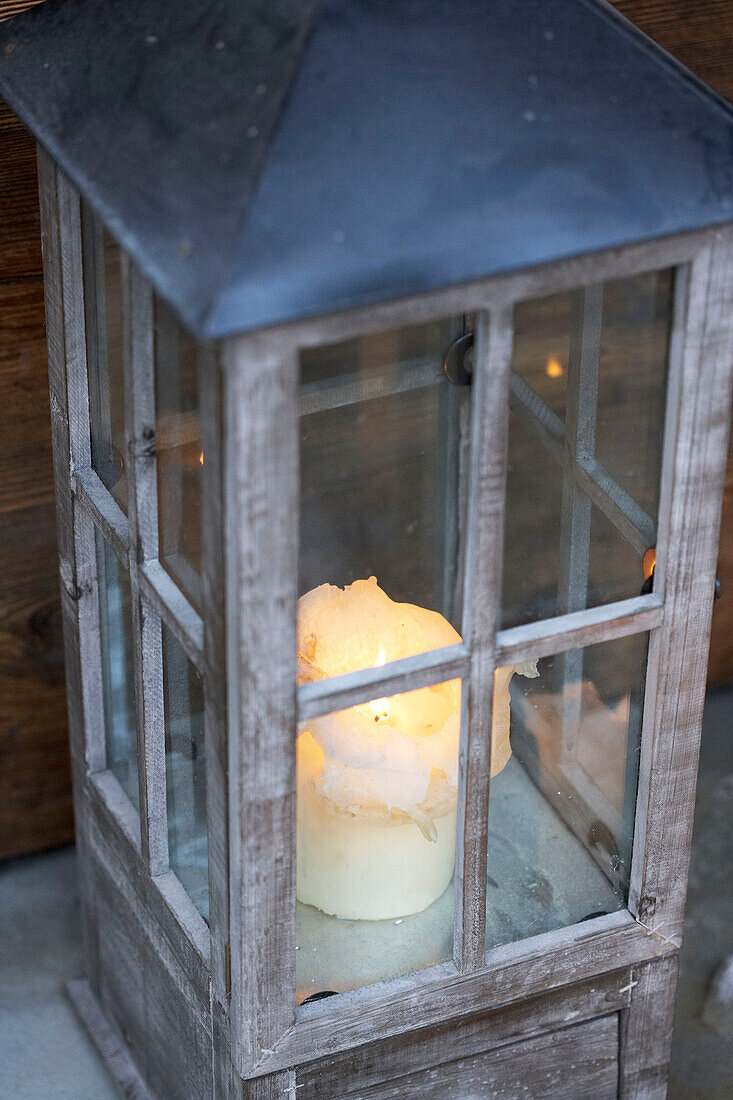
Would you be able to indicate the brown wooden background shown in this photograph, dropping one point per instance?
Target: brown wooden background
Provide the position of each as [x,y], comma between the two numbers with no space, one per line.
[35,795]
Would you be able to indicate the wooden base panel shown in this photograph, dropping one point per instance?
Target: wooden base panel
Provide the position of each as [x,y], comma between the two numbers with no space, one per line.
[108,1041]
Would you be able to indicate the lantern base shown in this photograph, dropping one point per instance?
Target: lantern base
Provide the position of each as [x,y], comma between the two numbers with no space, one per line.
[359,869]
[106,1038]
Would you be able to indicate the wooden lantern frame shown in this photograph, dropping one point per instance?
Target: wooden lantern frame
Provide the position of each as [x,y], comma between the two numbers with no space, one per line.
[180,1008]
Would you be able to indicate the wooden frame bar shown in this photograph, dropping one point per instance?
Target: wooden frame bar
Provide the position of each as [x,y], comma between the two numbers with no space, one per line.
[352,688]
[142,511]
[481,604]
[181,617]
[695,451]
[214,585]
[261,471]
[103,509]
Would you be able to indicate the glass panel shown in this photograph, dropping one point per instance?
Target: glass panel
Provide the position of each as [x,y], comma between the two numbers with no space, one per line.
[376,839]
[561,811]
[185,767]
[103,303]
[179,454]
[382,443]
[118,685]
[585,444]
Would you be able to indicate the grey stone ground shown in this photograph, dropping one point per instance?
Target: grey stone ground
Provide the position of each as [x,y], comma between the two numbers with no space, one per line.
[45,1054]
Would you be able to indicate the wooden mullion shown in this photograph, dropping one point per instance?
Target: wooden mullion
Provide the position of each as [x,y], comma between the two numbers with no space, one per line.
[591,477]
[481,605]
[147,643]
[576,507]
[261,467]
[580,628]
[213,440]
[407,674]
[77,404]
[99,504]
[696,438]
[174,609]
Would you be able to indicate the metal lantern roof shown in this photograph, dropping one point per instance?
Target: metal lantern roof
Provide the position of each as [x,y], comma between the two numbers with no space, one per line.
[275,159]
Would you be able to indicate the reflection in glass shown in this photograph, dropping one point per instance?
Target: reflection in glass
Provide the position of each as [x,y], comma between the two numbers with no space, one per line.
[376,838]
[586,424]
[179,453]
[382,441]
[103,307]
[118,685]
[561,813]
[185,767]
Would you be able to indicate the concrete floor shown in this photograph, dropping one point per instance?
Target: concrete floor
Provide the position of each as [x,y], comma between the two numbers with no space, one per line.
[46,1055]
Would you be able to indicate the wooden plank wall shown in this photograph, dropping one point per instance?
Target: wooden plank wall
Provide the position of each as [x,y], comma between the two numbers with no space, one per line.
[35,793]
[35,784]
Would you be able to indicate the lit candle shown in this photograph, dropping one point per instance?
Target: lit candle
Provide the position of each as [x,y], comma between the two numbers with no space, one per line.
[377,783]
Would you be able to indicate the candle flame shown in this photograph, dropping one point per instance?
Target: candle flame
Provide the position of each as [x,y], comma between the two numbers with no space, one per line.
[648,562]
[554,368]
[380,707]
[201,458]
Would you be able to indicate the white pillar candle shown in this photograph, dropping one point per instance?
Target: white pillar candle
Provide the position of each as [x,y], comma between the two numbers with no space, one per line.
[377,783]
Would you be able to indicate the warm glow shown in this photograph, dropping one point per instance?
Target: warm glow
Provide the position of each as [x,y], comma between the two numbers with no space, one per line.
[554,368]
[201,458]
[380,707]
[648,562]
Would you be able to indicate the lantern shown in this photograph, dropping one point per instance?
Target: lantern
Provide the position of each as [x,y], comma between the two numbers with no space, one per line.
[389,353]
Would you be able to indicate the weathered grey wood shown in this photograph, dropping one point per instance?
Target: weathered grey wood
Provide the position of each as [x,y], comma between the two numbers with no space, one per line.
[77,404]
[575,1063]
[179,615]
[565,274]
[352,688]
[158,1006]
[373,1063]
[213,439]
[580,628]
[262,571]
[695,454]
[115,827]
[54,240]
[646,1031]
[481,604]
[278,1086]
[147,643]
[103,509]
[512,972]
[108,1042]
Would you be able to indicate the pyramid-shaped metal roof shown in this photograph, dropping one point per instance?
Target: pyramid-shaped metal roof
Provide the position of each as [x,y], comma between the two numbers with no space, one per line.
[265,160]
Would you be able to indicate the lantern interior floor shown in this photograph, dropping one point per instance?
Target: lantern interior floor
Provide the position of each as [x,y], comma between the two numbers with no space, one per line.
[539,878]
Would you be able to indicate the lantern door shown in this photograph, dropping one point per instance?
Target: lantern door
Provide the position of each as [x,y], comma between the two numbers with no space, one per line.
[450,607]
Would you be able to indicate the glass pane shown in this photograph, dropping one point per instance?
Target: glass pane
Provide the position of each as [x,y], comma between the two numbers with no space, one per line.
[561,811]
[185,767]
[103,304]
[376,839]
[179,454]
[585,444]
[118,685]
[382,460]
